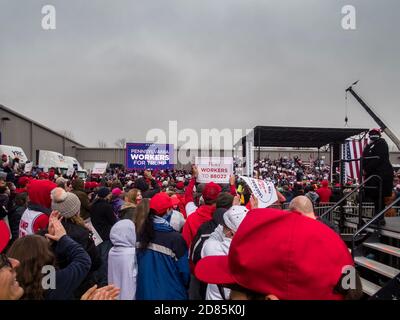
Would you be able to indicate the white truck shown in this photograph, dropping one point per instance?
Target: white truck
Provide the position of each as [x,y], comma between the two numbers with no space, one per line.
[14,152]
[73,163]
[50,159]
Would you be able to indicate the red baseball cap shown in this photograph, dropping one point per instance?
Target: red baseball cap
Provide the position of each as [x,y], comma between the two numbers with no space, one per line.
[4,235]
[160,203]
[281,253]
[211,191]
[325,183]
[180,185]
[116,192]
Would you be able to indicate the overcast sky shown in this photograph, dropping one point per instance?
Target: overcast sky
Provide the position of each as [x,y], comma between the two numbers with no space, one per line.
[118,68]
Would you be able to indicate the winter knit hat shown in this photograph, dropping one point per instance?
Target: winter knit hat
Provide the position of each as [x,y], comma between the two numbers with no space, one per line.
[234,217]
[103,192]
[39,192]
[66,203]
[61,181]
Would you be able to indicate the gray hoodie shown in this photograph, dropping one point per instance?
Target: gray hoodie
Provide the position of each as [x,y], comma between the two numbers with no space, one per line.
[122,265]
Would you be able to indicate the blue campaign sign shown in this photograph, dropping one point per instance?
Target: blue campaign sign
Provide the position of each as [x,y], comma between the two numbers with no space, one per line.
[141,156]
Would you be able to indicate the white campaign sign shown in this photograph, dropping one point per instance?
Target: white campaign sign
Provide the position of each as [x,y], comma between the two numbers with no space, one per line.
[28,167]
[215,169]
[264,191]
[96,237]
[70,172]
[99,167]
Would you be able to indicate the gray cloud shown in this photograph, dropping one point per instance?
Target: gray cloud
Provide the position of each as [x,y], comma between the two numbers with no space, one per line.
[117,69]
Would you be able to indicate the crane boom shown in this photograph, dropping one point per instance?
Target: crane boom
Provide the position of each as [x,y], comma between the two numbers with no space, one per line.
[380,123]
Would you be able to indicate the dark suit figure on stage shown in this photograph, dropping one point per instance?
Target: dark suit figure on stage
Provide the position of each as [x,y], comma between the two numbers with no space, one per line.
[380,167]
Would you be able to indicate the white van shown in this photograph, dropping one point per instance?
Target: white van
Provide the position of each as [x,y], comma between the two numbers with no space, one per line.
[51,159]
[73,163]
[14,152]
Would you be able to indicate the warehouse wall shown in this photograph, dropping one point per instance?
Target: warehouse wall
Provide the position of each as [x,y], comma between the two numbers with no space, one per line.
[88,156]
[31,136]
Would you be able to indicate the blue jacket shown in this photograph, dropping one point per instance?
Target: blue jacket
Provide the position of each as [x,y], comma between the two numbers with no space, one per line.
[163,268]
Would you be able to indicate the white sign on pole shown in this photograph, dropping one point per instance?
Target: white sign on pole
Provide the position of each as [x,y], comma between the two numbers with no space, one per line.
[215,169]
[28,167]
[96,237]
[99,168]
[70,172]
[264,191]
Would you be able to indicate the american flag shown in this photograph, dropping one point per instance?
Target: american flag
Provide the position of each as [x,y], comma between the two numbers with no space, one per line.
[353,149]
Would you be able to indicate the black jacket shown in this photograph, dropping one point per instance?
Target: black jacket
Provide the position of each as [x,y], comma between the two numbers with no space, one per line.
[83,236]
[14,218]
[381,166]
[103,218]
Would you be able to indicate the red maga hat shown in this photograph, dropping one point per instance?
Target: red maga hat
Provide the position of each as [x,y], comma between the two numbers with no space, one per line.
[160,203]
[180,185]
[281,253]
[211,191]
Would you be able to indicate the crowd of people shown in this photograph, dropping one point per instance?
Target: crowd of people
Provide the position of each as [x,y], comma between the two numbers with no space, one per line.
[286,171]
[137,237]
[160,235]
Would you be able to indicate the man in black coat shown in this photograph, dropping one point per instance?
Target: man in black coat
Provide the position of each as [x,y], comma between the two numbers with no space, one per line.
[103,218]
[380,167]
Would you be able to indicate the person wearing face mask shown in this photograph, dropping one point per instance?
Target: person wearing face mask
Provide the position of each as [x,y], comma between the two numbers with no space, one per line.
[380,167]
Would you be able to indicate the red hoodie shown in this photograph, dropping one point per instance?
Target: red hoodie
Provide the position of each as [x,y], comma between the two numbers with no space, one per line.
[195,220]
[181,197]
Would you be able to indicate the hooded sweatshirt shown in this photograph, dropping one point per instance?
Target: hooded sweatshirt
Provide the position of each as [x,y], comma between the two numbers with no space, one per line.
[35,217]
[122,265]
[195,220]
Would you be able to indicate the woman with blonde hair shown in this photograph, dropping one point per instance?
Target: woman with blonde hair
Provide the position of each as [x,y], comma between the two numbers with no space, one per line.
[132,199]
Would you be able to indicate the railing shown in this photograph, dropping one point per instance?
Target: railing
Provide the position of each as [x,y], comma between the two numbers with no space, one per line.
[370,223]
[341,202]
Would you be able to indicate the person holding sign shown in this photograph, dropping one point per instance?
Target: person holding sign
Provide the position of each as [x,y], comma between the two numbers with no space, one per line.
[203,213]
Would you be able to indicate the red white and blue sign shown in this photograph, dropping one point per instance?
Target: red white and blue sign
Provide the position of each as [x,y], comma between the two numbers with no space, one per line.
[142,156]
